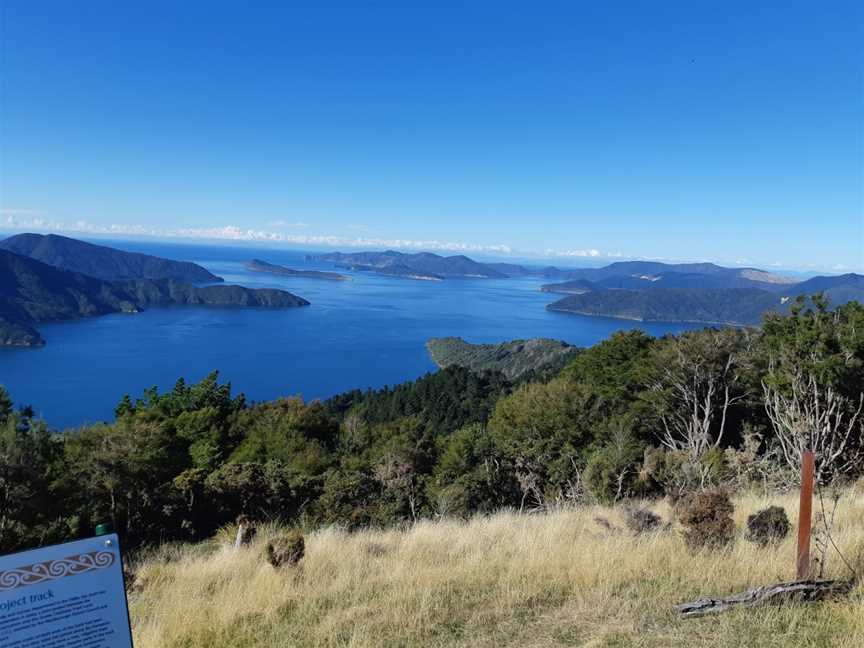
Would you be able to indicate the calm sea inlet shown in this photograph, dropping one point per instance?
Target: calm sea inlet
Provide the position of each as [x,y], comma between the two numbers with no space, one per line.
[364,333]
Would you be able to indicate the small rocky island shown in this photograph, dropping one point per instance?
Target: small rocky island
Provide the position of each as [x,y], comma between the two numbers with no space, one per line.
[257,265]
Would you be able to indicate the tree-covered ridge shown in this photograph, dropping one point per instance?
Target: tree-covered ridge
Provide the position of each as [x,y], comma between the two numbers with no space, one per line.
[649,271]
[103,262]
[736,306]
[419,265]
[257,265]
[712,295]
[633,415]
[513,359]
[33,292]
[691,292]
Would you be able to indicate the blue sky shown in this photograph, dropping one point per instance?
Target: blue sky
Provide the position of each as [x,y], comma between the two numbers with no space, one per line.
[729,131]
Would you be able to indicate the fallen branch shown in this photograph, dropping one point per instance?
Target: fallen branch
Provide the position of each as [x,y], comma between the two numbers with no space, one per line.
[806,591]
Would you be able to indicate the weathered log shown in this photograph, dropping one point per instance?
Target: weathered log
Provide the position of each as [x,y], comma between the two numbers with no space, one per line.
[804,591]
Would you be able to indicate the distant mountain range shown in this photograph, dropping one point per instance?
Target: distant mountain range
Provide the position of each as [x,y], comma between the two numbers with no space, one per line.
[640,290]
[49,277]
[103,262]
[32,292]
[513,359]
[257,265]
[623,274]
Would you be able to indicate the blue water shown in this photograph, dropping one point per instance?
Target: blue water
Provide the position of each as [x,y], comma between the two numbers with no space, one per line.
[368,332]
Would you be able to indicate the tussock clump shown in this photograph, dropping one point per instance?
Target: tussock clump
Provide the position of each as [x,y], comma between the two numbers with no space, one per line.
[606,524]
[286,549]
[130,579]
[768,526]
[375,549]
[707,519]
[641,520]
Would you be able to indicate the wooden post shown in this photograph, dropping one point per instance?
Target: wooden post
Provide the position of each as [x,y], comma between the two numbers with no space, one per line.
[805,514]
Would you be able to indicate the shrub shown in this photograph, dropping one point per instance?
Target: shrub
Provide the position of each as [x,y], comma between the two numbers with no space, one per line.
[612,470]
[768,526]
[286,549]
[707,519]
[641,520]
[672,473]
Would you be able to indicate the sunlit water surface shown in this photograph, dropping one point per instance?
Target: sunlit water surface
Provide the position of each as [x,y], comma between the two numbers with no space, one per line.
[368,332]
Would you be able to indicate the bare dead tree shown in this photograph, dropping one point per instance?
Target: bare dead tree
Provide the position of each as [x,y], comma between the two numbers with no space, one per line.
[621,437]
[529,484]
[697,386]
[399,475]
[806,414]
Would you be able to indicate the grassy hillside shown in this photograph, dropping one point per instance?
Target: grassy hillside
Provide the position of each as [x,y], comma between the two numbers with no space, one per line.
[557,579]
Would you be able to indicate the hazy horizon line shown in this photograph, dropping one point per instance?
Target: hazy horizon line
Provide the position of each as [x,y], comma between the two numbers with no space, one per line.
[10,221]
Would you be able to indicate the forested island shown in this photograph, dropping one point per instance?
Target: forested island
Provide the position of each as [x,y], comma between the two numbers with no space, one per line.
[32,292]
[257,265]
[422,265]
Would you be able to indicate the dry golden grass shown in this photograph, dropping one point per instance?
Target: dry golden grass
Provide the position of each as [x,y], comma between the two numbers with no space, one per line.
[533,580]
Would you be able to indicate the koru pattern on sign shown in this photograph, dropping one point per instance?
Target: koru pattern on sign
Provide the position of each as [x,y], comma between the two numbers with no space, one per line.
[55,569]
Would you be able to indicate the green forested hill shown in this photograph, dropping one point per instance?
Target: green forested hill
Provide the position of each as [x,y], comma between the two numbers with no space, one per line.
[513,359]
[32,292]
[101,261]
[421,264]
[257,265]
[711,306]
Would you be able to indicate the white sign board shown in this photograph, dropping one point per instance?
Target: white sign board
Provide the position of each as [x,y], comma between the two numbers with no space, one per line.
[65,596]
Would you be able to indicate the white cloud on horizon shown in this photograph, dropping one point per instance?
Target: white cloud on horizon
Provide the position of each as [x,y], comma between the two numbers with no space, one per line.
[11,220]
[286,224]
[31,219]
[583,254]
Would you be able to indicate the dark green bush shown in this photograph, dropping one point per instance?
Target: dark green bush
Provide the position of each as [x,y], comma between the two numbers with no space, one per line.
[768,526]
[612,470]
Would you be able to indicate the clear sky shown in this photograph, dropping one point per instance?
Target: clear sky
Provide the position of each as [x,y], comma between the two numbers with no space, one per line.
[689,130]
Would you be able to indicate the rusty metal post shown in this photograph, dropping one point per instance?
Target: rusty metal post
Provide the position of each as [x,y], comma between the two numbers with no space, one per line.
[805,515]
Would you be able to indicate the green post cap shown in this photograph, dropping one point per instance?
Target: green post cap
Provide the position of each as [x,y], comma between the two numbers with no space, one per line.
[104,529]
